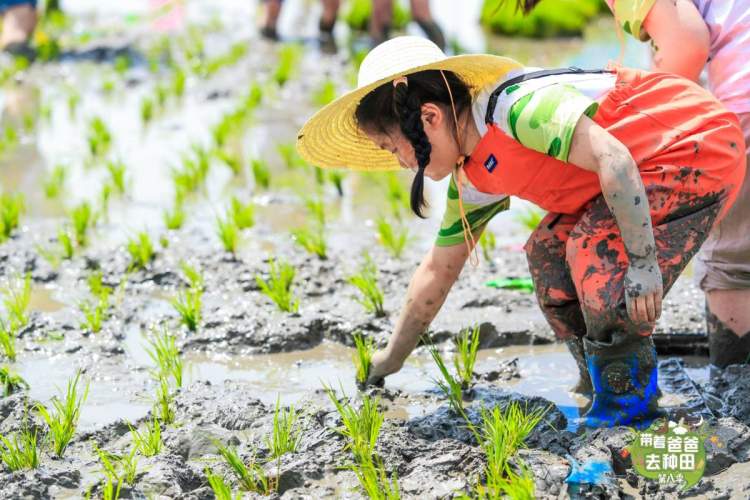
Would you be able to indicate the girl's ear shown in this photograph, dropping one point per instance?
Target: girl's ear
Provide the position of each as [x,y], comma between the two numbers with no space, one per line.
[432,116]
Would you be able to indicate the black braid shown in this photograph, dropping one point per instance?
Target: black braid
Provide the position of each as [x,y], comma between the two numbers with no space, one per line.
[408,108]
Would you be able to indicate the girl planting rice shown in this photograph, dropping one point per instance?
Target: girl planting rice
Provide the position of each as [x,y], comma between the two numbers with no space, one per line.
[634,168]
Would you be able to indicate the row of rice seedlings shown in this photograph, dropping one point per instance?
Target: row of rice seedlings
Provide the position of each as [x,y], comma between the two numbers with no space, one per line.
[286,435]
[366,281]
[54,182]
[20,450]
[12,205]
[16,298]
[141,251]
[289,56]
[11,381]
[392,239]
[467,346]
[8,339]
[365,348]
[148,442]
[222,491]
[449,385]
[117,170]
[251,476]
[164,353]
[488,244]
[63,420]
[99,137]
[279,285]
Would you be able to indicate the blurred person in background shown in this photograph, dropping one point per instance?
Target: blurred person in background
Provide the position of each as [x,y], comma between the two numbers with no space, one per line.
[19,20]
[326,23]
[382,18]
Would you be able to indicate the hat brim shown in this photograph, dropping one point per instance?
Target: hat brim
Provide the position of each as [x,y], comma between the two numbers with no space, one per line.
[331,138]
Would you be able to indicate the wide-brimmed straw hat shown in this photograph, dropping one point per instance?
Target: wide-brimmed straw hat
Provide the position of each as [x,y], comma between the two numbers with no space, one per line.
[331,138]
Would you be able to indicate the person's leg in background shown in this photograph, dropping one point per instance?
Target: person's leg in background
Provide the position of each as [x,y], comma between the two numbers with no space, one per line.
[420,11]
[273,10]
[723,272]
[327,23]
[19,21]
[381,20]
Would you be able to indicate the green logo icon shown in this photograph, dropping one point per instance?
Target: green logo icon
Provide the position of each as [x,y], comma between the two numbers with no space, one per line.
[670,452]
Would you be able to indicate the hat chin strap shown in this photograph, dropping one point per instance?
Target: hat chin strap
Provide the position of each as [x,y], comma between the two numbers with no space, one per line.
[471,245]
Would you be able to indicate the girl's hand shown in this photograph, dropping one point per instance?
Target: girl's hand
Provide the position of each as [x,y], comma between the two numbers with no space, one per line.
[382,365]
[643,290]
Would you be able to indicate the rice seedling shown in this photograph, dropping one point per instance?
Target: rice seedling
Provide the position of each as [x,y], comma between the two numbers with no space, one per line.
[325,94]
[261,173]
[467,345]
[161,93]
[366,281]
[95,313]
[74,99]
[66,243]
[292,159]
[16,298]
[360,427]
[11,208]
[166,356]
[112,483]
[8,340]
[99,137]
[116,171]
[312,239]
[83,219]
[396,193]
[279,285]
[288,59]
[122,64]
[11,381]
[233,161]
[222,491]
[129,465]
[488,243]
[54,182]
[316,208]
[394,241]
[286,435]
[193,276]
[63,421]
[178,82]
[365,348]
[243,214]
[188,305]
[164,400]
[148,442]
[20,450]
[174,218]
[108,87]
[228,233]
[531,218]
[337,179]
[450,385]
[251,476]
[105,195]
[141,251]
[147,110]
[374,480]
[190,176]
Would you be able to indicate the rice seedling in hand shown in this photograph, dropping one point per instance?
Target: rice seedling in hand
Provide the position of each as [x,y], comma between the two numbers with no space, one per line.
[360,427]
[20,450]
[531,218]
[99,137]
[164,353]
[141,251]
[288,59]
[164,400]
[148,442]
[366,281]
[279,285]
[488,243]
[252,476]
[312,239]
[11,381]
[116,171]
[450,385]
[63,420]
[363,357]
[228,233]
[286,434]
[222,491]
[11,208]
[83,219]
[8,340]
[16,298]
[261,173]
[467,345]
[243,214]
[393,240]
[54,181]
[325,94]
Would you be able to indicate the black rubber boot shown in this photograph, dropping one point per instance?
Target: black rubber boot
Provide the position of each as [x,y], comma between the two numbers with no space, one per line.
[327,42]
[725,347]
[624,374]
[21,49]
[269,33]
[583,386]
[433,32]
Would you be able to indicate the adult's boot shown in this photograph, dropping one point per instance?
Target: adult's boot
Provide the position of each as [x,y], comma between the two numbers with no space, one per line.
[583,386]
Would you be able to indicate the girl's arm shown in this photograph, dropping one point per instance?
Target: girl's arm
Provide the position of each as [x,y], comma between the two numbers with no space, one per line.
[427,291]
[596,150]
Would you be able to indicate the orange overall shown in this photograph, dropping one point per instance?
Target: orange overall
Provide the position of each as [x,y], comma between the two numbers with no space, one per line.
[690,153]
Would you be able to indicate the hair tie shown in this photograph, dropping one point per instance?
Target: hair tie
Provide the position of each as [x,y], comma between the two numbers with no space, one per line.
[399,80]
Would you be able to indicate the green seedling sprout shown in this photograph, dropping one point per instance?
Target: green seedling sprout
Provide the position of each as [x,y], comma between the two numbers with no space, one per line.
[147,110]
[63,420]
[312,239]
[122,64]
[374,481]
[531,218]
[175,218]
[148,442]
[74,99]
[82,218]
[317,210]
[99,137]
[396,193]
[365,348]
[450,385]
[252,476]
[488,243]
[393,241]
[292,159]
[165,355]
[261,174]
[279,285]
[178,82]
[193,276]
[188,305]
[66,243]
[95,313]
[116,171]
[104,196]
[20,450]
[366,281]
[112,482]
[360,427]
[11,208]
[337,179]
[16,298]
[8,340]
[222,491]
[164,399]
[141,251]
[243,214]
[288,58]
[286,435]
[325,94]
[129,465]
[233,161]
[228,233]
[467,345]
[11,381]
[54,182]
[161,93]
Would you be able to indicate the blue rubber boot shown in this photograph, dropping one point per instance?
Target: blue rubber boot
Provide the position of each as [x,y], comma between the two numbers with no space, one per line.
[624,376]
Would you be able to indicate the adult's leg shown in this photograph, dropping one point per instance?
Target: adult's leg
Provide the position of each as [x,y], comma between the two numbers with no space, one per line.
[380,22]
[273,11]
[420,11]
[326,25]
[19,22]
[555,292]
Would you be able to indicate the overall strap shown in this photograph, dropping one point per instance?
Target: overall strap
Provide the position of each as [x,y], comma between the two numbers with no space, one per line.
[488,118]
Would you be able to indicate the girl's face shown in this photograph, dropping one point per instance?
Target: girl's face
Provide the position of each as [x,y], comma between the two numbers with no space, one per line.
[444,152]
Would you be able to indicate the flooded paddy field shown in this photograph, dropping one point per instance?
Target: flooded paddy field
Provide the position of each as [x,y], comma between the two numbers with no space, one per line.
[146,158]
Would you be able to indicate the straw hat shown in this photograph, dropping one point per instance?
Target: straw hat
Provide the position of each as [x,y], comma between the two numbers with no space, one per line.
[331,139]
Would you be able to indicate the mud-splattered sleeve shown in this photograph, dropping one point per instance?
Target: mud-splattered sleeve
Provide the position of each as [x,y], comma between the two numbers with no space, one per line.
[630,15]
[478,207]
[544,120]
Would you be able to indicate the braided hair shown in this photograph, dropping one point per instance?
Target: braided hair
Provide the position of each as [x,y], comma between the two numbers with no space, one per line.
[389,106]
